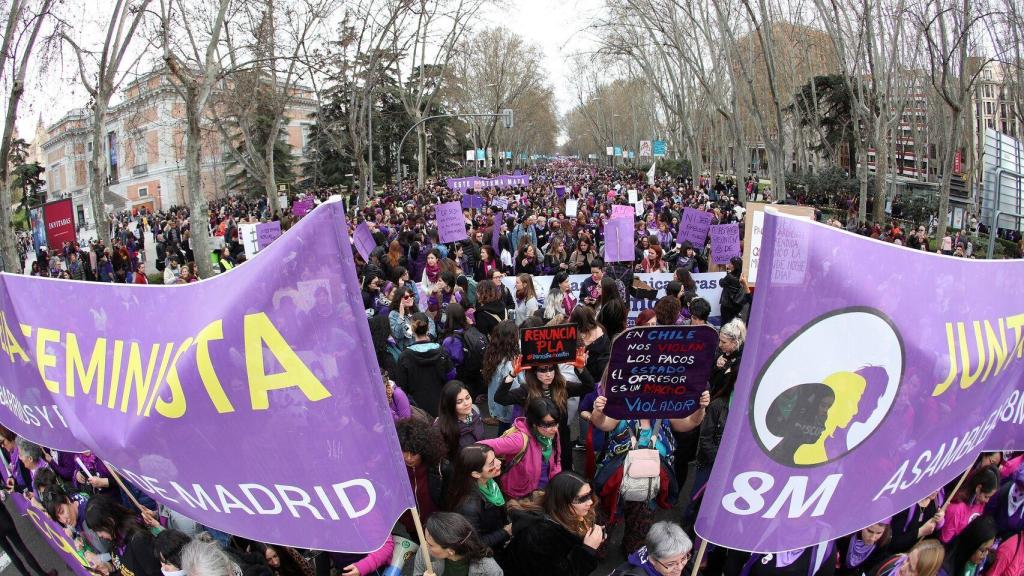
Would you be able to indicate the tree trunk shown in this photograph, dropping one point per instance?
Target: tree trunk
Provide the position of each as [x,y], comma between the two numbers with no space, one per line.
[421,155]
[270,183]
[199,222]
[952,143]
[8,242]
[881,169]
[99,167]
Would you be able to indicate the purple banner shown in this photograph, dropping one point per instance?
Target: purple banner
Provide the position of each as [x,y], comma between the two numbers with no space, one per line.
[693,227]
[618,240]
[725,242]
[451,224]
[257,410]
[473,201]
[857,399]
[477,183]
[659,371]
[302,207]
[363,240]
[267,233]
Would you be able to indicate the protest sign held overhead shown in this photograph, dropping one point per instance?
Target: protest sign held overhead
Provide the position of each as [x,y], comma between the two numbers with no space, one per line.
[725,242]
[859,400]
[548,344]
[451,226]
[753,225]
[274,357]
[659,371]
[363,240]
[618,239]
[693,227]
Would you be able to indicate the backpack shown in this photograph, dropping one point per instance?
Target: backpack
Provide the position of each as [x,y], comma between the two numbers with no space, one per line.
[641,469]
[507,465]
[474,344]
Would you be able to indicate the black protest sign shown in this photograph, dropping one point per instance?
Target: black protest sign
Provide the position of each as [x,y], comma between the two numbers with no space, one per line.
[548,344]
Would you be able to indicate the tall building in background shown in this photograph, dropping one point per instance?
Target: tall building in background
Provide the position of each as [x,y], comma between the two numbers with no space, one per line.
[144,148]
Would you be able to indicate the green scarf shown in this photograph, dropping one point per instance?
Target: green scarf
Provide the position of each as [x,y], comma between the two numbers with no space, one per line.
[545,445]
[492,493]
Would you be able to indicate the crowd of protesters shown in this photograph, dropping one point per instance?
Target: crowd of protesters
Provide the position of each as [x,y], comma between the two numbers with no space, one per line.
[517,469]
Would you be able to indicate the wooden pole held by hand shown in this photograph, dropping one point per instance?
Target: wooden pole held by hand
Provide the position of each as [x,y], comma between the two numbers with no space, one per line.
[423,542]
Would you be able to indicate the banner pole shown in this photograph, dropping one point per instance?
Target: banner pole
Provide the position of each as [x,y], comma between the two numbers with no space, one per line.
[127,492]
[423,541]
[956,488]
[700,557]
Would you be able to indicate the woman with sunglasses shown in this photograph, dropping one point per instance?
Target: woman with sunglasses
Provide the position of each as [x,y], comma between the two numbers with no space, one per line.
[530,449]
[403,307]
[476,495]
[644,433]
[666,551]
[558,534]
[548,382]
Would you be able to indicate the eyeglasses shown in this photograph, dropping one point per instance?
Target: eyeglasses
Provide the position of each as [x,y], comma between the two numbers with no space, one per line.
[545,369]
[672,566]
[588,497]
[409,296]
[548,425]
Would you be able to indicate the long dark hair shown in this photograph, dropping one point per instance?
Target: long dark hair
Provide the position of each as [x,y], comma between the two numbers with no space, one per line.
[456,318]
[980,530]
[453,531]
[447,418]
[469,459]
[503,345]
[104,513]
[985,478]
[558,498]
[559,390]
[584,319]
[396,297]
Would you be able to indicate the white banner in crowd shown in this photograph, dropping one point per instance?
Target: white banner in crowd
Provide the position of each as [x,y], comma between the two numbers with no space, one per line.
[708,288]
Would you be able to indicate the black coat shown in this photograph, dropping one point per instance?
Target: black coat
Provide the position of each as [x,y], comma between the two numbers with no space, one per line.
[422,374]
[489,315]
[488,520]
[541,546]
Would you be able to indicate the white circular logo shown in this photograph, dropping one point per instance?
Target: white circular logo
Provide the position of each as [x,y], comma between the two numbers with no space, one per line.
[828,387]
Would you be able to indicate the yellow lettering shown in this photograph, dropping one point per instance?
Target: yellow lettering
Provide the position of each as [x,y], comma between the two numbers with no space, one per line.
[159,376]
[133,376]
[75,366]
[175,407]
[212,331]
[996,348]
[945,384]
[45,360]
[967,378]
[11,344]
[259,330]
[1016,322]
[115,373]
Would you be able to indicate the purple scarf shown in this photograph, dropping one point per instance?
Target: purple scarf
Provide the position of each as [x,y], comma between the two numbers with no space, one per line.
[858,551]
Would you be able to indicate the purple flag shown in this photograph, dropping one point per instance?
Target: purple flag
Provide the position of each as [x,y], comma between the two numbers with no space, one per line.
[857,399]
[363,239]
[694,227]
[496,234]
[618,240]
[560,191]
[725,242]
[678,359]
[451,225]
[267,233]
[473,201]
[250,402]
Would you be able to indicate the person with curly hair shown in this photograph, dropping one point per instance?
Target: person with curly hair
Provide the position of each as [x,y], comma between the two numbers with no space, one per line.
[502,349]
[423,450]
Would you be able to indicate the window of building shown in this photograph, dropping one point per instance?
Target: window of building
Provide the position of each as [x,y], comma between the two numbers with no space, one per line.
[143,191]
[990,124]
[53,182]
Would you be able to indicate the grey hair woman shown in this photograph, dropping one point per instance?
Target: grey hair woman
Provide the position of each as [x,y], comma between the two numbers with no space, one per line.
[667,550]
[199,558]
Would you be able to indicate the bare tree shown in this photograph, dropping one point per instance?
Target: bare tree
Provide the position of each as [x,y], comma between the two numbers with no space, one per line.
[101,81]
[25,20]
[195,68]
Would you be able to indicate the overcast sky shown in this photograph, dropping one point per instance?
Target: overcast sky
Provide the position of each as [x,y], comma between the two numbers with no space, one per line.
[556,27]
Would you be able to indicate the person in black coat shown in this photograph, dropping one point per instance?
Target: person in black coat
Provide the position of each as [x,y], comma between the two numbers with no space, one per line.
[475,494]
[490,309]
[424,368]
[735,300]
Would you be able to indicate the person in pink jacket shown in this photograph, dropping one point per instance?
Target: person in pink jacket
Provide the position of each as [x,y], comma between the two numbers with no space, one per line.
[969,502]
[531,467]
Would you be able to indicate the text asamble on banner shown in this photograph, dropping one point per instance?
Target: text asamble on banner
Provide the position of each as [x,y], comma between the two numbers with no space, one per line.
[274,357]
[859,399]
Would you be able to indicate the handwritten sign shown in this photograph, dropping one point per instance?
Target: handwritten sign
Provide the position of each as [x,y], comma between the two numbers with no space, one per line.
[753,225]
[302,207]
[267,233]
[618,240]
[725,242]
[572,207]
[789,261]
[659,371]
[621,211]
[500,203]
[451,226]
[363,239]
[548,344]
[694,226]
[631,195]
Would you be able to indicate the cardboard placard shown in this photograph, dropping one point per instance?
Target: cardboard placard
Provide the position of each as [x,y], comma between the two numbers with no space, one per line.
[548,344]
[659,371]
[753,225]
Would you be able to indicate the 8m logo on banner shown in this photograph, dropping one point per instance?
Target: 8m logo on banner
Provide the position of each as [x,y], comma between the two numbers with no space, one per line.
[825,391]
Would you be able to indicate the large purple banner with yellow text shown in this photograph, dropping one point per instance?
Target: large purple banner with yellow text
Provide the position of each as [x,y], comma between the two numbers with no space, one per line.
[250,402]
[872,375]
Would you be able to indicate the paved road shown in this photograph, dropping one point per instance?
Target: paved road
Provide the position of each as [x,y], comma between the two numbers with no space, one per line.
[36,544]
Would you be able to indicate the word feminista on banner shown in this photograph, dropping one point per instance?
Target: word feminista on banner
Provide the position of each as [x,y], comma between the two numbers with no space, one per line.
[250,373]
[861,399]
[659,371]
